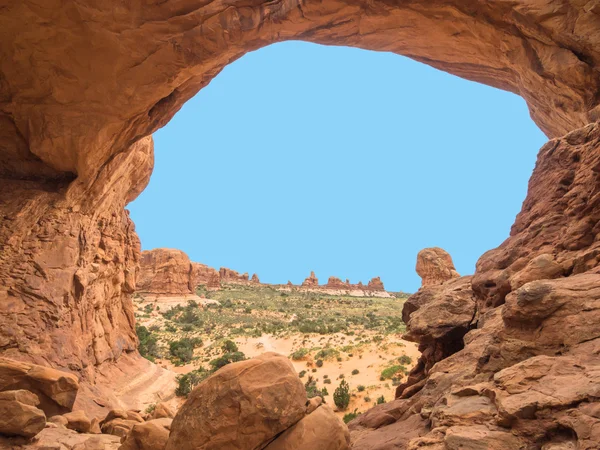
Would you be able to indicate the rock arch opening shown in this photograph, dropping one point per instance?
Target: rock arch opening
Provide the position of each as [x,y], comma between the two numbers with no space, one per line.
[298,150]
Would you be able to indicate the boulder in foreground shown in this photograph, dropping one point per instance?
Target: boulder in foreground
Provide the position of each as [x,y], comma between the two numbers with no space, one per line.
[243,406]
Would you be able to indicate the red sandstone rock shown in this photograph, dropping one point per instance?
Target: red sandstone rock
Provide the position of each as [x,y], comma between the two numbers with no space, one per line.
[165,271]
[255,279]
[435,266]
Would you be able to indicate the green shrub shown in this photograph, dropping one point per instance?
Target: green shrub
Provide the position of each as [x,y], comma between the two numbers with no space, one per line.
[188,381]
[229,346]
[302,373]
[228,358]
[360,388]
[299,354]
[380,400]
[148,346]
[319,363]
[312,390]
[183,349]
[355,372]
[341,396]
[389,372]
[327,381]
[367,399]
[351,416]
[405,360]
[150,409]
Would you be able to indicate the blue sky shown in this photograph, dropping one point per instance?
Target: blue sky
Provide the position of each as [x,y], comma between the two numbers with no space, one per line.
[301,157]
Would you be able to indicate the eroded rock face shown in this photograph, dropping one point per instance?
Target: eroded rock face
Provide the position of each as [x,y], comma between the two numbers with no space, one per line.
[67,264]
[555,234]
[435,266]
[244,405]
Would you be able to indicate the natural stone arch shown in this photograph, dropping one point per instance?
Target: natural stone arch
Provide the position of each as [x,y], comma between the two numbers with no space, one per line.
[83,85]
[83,81]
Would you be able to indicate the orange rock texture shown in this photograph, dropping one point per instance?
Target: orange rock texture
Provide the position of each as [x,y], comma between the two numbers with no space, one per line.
[84,84]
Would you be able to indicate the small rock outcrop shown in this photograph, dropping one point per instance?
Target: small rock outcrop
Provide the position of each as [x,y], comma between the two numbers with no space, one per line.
[255,278]
[258,398]
[435,266]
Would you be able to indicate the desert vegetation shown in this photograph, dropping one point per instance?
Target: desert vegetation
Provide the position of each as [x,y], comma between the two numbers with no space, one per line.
[345,349]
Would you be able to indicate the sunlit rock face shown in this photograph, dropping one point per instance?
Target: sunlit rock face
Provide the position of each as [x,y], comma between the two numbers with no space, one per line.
[82,85]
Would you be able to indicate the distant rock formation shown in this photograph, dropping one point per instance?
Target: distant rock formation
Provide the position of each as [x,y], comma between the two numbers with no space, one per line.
[164,271]
[204,275]
[336,283]
[255,279]
[311,281]
[231,276]
[375,284]
[435,266]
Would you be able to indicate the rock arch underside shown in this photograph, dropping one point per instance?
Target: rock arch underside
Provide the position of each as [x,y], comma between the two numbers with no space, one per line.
[511,355]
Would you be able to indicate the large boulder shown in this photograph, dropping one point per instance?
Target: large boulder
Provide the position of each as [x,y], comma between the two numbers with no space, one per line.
[19,415]
[55,389]
[151,435]
[242,406]
[435,266]
[320,430]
